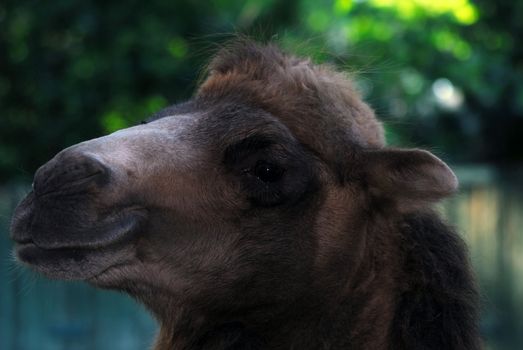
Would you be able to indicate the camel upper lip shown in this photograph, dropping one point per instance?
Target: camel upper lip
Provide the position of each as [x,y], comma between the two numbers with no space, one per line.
[115,228]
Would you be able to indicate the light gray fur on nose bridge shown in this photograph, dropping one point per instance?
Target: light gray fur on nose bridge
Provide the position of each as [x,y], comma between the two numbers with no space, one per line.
[169,140]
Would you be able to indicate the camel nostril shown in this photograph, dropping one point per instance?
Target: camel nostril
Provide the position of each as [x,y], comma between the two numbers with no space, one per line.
[71,173]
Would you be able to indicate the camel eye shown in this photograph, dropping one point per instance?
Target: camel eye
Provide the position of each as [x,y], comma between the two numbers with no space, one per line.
[267,172]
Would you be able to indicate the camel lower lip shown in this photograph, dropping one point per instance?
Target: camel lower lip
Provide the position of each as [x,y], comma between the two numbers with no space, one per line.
[68,263]
[31,254]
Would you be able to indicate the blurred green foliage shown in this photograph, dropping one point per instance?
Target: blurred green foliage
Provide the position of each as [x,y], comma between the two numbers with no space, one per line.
[445,74]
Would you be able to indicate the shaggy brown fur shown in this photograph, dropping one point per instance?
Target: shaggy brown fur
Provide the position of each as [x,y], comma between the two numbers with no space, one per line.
[264,213]
[316,102]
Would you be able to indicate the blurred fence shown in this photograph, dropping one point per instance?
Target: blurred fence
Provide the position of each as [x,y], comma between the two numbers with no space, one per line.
[489,213]
[49,315]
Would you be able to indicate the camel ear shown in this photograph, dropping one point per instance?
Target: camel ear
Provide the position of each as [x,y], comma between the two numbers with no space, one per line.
[409,177]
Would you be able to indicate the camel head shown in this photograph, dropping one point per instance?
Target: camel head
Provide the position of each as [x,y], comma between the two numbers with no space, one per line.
[232,205]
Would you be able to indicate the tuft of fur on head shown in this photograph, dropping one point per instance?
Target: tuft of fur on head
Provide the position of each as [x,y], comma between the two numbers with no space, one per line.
[315,101]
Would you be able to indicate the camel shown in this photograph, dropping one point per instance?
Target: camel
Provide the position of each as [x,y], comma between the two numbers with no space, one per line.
[266,212]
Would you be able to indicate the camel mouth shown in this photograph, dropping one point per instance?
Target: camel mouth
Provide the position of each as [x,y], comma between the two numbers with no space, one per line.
[67,241]
[81,264]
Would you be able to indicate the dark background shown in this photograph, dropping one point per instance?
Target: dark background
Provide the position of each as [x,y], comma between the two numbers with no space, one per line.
[444,75]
